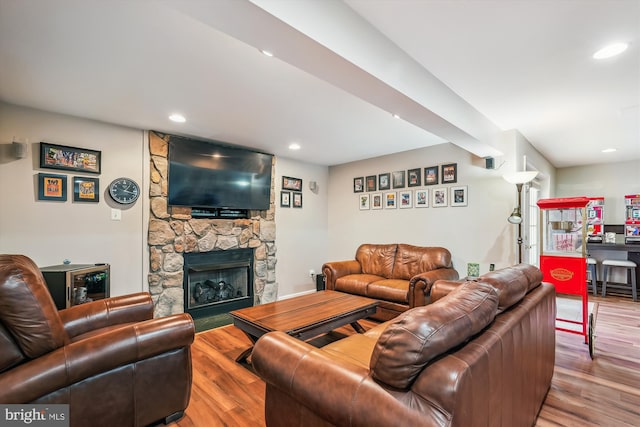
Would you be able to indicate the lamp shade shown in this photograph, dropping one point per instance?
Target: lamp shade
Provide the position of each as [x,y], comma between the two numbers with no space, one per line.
[520,177]
[515,217]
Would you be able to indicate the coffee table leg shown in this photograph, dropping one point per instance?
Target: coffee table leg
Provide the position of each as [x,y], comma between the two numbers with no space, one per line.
[359,329]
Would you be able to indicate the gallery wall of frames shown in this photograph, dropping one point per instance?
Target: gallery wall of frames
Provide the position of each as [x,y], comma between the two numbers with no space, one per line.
[412,188]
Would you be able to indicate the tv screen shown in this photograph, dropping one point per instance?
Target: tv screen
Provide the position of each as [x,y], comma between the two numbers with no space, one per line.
[205,174]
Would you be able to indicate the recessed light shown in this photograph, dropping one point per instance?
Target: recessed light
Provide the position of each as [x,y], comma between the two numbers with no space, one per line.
[395,116]
[610,50]
[294,146]
[267,53]
[178,118]
[609,150]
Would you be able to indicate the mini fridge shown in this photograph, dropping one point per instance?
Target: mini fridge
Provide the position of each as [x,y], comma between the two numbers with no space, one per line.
[73,284]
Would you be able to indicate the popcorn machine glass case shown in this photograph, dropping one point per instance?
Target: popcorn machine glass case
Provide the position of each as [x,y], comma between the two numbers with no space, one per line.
[563,252]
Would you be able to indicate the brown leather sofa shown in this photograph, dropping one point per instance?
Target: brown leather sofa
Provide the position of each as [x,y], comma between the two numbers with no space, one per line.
[108,359]
[481,354]
[400,276]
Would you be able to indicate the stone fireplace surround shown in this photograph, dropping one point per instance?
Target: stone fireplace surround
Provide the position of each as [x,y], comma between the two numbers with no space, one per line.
[173,232]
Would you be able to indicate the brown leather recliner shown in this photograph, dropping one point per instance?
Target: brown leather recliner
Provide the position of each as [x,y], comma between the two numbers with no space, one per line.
[108,359]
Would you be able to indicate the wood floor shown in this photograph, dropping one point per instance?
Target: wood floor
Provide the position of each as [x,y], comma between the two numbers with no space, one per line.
[584,392]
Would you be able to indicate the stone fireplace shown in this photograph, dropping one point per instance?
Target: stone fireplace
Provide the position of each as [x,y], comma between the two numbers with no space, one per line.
[175,235]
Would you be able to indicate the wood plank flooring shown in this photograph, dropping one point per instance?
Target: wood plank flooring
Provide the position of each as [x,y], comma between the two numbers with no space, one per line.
[584,392]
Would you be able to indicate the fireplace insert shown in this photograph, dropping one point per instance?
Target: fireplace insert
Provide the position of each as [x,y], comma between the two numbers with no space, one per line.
[218,282]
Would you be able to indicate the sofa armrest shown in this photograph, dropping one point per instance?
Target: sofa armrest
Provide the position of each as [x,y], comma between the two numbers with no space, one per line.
[420,284]
[83,318]
[95,355]
[442,288]
[339,392]
[334,270]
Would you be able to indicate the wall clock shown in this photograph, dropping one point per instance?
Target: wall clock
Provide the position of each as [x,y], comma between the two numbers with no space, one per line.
[124,190]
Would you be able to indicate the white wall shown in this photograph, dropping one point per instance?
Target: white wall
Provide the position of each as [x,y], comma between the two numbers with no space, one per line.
[476,233]
[50,232]
[609,180]
[301,234]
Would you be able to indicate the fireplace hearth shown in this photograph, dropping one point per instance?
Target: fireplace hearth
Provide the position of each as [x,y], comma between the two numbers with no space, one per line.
[217,282]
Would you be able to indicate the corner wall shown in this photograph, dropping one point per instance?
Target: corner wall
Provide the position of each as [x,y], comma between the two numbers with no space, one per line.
[476,233]
[49,231]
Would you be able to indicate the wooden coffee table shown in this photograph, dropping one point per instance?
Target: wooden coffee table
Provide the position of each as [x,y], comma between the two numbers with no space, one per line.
[303,317]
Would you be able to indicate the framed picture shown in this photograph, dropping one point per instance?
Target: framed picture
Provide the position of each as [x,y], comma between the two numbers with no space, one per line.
[285,199]
[52,187]
[69,158]
[398,179]
[86,189]
[293,184]
[459,196]
[439,197]
[421,199]
[431,175]
[376,201]
[406,199]
[413,178]
[450,173]
[371,183]
[364,202]
[297,200]
[390,200]
[358,185]
[384,181]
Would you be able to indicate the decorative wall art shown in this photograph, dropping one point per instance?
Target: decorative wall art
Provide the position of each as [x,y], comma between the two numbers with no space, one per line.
[86,189]
[285,199]
[297,200]
[376,201]
[358,185]
[52,187]
[398,179]
[364,202]
[384,181]
[413,179]
[450,173]
[439,197]
[69,158]
[459,196]
[421,199]
[431,175]
[390,200]
[405,199]
[293,184]
[371,182]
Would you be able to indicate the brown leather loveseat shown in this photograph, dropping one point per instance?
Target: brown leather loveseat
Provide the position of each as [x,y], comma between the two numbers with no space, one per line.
[109,360]
[400,276]
[481,354]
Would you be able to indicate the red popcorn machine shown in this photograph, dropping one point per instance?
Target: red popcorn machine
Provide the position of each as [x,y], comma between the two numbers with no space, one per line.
[563,256]
[632,219]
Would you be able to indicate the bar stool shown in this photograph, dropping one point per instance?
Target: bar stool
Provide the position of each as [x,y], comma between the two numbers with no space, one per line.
[626,264]
[592,269]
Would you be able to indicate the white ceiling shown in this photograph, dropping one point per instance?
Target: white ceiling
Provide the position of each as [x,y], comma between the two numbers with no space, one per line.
[454,70]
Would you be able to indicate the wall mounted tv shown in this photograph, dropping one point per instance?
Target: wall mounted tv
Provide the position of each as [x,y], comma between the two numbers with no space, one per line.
[207,174]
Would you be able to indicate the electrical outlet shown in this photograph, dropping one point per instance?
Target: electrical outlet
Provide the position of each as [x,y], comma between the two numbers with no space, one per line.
[312,273]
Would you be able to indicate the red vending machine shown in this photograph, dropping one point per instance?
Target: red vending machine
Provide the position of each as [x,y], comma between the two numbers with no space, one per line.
[632,219]
[595,220]
[563,257]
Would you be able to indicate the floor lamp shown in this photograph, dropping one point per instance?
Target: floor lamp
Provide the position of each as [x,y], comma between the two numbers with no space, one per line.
[519,179]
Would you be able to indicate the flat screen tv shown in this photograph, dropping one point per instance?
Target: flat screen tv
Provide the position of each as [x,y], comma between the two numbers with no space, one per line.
[204,174]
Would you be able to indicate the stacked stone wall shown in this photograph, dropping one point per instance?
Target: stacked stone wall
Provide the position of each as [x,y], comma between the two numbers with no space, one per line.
[173,232]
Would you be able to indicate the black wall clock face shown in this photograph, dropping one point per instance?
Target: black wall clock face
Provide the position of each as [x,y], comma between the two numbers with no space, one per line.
[124,191]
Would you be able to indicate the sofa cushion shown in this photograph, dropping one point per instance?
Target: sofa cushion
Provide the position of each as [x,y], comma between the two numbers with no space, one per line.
[27,309]
[377,259]
[511,283]
[356,283]
[419,335]
[412,260]
[393,290]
